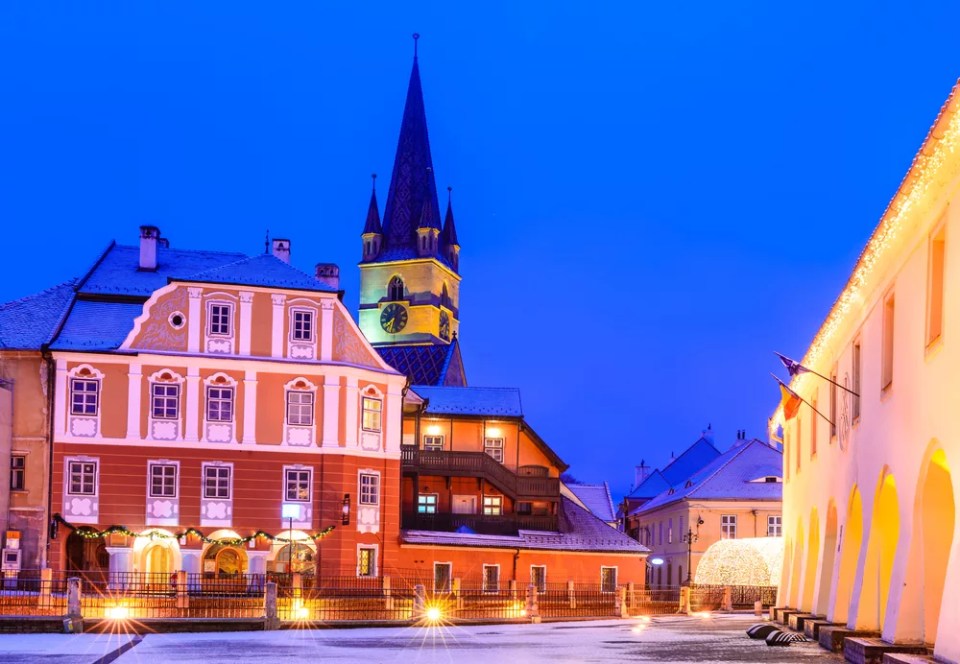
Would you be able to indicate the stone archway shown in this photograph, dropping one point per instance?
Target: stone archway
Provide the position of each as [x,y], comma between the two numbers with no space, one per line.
[851,540]
[881,552]
[822,602]
[813,556]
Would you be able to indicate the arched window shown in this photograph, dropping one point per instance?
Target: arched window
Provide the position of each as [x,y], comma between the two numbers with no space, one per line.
[444,297]
[395,289]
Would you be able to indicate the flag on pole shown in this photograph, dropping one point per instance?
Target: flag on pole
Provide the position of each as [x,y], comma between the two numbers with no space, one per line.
[790,401]
[793,367]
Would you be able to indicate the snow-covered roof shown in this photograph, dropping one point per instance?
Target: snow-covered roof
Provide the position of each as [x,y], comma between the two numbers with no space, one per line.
[579,530]
[264,270]
[738,474]
[596,498]
[488,401]
[690,461]
[32,321]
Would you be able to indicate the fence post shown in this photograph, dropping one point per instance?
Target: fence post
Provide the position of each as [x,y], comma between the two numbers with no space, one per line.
[571,595]
[758,608]
[727,598]
[46,580]
[419,601]
[458,598]
[621,608]
[631,596]
[533,606]
[73,621]
[388,604]
[271,619]
[183,600]
[684,600]
[513,589]
[297,585]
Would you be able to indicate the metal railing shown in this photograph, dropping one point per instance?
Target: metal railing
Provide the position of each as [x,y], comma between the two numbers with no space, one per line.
[470,464]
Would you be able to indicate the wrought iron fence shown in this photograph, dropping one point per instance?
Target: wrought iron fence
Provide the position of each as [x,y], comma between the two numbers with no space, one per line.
[30,594]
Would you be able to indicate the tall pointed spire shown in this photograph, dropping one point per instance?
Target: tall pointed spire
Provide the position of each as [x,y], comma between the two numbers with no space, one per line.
[412,195]
[449,235]
[373,212]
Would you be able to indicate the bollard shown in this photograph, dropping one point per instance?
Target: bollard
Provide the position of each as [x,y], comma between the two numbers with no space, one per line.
[46,580]
[758,608]
[571,595]
[183,599]
[271,619]
[727,599]
[419,601]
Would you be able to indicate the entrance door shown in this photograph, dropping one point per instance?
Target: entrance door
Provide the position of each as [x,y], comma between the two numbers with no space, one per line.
[464,504]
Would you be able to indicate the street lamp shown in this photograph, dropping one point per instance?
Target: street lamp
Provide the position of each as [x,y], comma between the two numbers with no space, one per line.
[690,538]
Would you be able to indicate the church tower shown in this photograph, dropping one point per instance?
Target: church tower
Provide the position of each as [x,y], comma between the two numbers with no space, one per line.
[409,271]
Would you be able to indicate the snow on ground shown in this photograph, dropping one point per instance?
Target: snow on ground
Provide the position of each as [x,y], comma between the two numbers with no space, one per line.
[679,640]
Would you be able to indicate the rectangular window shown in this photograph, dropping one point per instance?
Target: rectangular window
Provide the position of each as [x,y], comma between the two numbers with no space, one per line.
[935,286]
[491,578]
[492,505]
[369,489]
[834,410]
[219,404]
[608,579]
[219,320]
[442,574]
[165,398]
[670,532]
[775,526]
[163,480]
[427,503]
[538,577]
[366,561]
[300,408]
[82,478]
[886,364]
[84,397]
[494,447]
[728,526]
[216,482]
[298,485]
[371,414]
[857,367]
[301,325]
[18,469]
[433,443]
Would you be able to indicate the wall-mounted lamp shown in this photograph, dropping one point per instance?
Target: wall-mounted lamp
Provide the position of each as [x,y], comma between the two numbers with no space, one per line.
[345,510]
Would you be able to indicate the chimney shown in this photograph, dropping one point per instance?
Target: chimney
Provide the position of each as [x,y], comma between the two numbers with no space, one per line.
[149,239]
[281,249]
[640,473]
[329,274]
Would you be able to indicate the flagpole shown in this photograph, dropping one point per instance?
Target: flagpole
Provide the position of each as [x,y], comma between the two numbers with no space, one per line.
[808,370]
[777,378]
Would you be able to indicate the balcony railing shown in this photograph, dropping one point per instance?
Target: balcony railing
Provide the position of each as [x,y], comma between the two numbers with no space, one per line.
[473,464]
[506,524]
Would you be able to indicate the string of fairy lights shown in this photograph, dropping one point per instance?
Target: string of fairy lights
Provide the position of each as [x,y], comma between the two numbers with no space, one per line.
[88,532]
[916,191]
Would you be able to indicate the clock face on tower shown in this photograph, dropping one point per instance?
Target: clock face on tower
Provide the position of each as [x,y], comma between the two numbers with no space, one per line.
[393,318]
[444,326]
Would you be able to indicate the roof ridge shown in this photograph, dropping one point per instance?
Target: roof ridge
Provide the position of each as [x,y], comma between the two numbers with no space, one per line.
[189,250]
[737,452]
[20,300]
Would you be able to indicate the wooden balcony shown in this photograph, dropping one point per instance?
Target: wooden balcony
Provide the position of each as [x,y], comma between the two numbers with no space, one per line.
[479,464]
[506,524]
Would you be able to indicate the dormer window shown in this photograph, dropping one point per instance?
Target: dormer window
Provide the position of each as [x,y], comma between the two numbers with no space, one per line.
[395,289]
[219,323]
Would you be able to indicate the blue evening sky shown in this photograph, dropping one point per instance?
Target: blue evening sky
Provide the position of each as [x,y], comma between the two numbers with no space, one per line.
[651,197]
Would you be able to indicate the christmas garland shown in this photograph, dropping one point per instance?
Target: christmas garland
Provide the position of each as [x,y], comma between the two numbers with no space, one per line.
[88,532]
